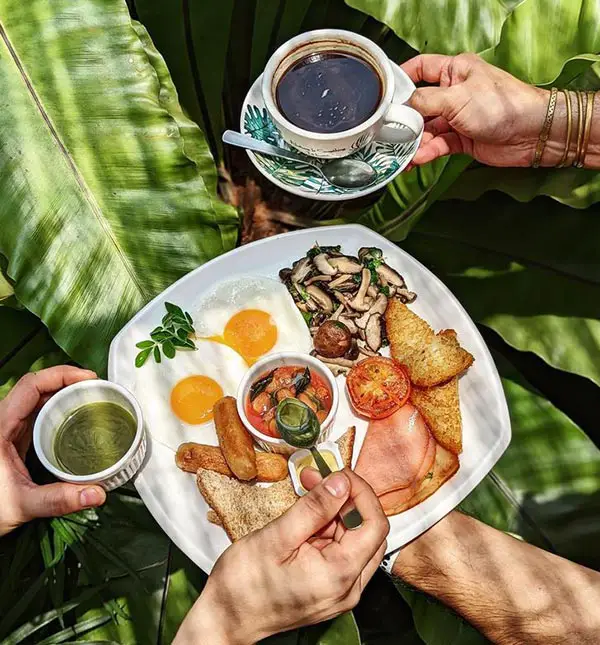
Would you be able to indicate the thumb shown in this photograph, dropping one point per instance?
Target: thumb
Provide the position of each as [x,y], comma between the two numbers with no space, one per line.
[313,511]
[434,101]
[53,500]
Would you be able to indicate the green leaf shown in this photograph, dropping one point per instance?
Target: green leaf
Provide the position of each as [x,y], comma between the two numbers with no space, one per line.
[145,344]
[142,357]
[157,355]
[84,147]
[339,631]
[528,271]
[168,349]
[442,26]
[570,27]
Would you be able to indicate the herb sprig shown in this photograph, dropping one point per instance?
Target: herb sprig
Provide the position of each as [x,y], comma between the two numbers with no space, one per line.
[173,334]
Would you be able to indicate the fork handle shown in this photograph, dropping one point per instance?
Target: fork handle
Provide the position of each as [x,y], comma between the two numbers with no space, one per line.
[351,517]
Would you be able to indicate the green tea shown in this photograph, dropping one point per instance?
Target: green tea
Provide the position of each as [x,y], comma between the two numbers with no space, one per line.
[94,437]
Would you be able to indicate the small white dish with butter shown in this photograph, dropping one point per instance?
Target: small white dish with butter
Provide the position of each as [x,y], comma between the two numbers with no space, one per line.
[302,459]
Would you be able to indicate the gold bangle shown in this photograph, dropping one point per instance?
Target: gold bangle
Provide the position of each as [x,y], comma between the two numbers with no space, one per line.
[580,123]
[544,134]
[565,156]
[589,109]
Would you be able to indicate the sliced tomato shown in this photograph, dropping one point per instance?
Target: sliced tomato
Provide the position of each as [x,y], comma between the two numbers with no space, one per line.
[378,386]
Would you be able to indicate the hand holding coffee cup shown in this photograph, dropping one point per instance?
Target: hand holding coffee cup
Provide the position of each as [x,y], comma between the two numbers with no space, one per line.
[331,92]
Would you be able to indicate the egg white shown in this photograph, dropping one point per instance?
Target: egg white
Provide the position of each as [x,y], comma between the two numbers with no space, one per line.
[214,310]
[155,381]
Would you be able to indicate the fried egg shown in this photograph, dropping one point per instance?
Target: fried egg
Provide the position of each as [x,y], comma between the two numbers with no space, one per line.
[179,394]
[254,316]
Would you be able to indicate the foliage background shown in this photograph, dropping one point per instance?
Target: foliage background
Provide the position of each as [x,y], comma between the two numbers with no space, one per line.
[135,181]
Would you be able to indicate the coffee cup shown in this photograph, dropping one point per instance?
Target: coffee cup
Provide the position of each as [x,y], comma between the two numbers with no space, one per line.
[386,118]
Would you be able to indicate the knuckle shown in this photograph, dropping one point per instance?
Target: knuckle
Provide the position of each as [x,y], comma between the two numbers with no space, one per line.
[468,57]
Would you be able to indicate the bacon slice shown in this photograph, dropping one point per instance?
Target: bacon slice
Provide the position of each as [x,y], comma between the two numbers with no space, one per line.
[396,451]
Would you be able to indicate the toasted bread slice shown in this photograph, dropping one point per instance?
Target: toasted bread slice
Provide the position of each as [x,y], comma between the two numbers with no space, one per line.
[441,410]
[445,466]
[243,508]
[430,358]
[213,518]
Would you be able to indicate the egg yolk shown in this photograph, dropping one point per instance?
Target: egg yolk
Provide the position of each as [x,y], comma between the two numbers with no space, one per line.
[251,333]
[193,398]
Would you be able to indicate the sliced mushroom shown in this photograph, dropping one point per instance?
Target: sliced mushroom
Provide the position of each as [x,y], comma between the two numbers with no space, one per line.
[405,295]
[340,280]
[337,369]
[340,297]
[373,334]
[392,291]
[363,349]
[370,253]
[344,362]
[358,302]
[311,305]
[372,291]
[378,307]
[320,297]
[323,266]
[345,265]
[349,323]
[336,314]
[318,278]
[300,269]
[391,275]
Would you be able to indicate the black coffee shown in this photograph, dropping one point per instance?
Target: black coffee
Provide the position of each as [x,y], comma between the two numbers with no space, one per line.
[329,92]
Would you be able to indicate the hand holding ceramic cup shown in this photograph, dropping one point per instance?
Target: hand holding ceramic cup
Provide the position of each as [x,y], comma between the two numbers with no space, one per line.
[331,92]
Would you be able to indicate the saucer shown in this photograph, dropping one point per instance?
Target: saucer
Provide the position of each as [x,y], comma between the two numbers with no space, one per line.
[387,159]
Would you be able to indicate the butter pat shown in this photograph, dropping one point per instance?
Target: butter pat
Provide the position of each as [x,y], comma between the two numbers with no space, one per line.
[303,458]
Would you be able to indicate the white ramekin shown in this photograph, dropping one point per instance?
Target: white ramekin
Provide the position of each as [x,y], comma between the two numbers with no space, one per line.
[69,399]
[272,444]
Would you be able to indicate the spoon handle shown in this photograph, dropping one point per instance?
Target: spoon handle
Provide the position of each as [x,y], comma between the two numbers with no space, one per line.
[351,518]
[245,141]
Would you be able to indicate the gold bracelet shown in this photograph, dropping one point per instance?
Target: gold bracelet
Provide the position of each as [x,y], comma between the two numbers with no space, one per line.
[545,133]
[565,156]
[589,110]
[580,124]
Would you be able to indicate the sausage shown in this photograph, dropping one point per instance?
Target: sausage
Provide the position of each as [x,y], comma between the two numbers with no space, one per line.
[270,467]
[235,441]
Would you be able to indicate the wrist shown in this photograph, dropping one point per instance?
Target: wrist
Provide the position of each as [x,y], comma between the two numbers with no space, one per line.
[210,623]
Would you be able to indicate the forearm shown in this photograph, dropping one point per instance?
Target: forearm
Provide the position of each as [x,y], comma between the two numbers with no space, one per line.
[558,133]
[209,623]
[511,591]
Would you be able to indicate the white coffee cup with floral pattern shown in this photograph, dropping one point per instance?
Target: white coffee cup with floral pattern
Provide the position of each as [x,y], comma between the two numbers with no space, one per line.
[392,121]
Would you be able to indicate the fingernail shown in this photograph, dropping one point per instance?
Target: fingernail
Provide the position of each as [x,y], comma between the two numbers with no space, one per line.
[90,497]
[337,484]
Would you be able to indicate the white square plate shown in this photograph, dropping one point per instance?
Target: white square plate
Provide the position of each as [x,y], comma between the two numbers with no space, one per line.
[172,496]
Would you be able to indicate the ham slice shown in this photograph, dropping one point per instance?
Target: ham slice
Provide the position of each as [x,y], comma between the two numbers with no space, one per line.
[397,451]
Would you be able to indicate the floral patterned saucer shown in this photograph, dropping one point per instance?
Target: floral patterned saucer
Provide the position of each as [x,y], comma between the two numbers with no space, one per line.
[387,159]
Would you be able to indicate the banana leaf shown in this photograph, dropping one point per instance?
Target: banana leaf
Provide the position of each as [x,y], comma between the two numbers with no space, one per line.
[545,488]
[442,26]
[104,203]
[528,271]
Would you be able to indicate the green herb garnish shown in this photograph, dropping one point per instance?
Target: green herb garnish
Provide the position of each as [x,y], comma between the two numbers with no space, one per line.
[317,250]
[260,385]
[308,316]
[385,290]
[301,381]
[173,334]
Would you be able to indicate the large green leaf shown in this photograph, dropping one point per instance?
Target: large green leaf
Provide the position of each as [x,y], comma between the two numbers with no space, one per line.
[546,488]
[442,26]
[104,204]
[529,271]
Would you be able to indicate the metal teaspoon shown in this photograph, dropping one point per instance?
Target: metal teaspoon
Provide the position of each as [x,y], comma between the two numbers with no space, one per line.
[342,173]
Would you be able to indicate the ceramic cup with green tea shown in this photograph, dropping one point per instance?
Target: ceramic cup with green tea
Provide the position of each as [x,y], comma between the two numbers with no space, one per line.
[91,432]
